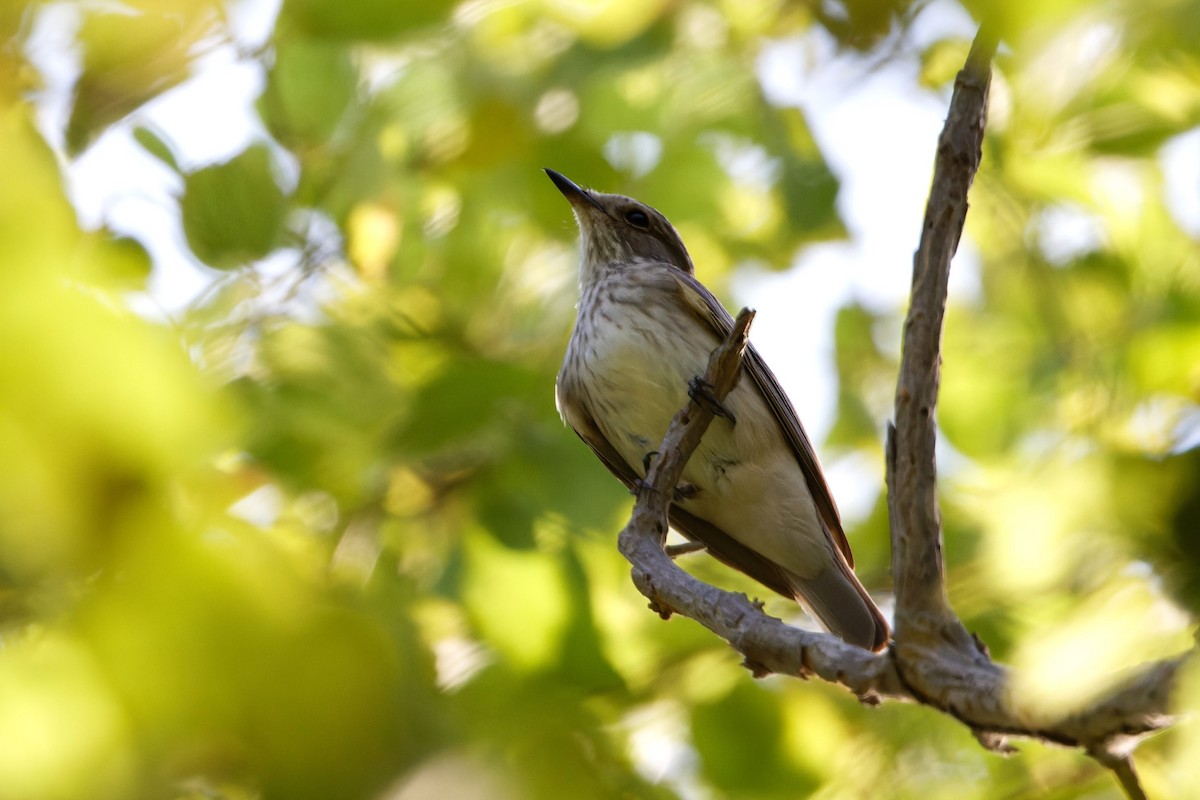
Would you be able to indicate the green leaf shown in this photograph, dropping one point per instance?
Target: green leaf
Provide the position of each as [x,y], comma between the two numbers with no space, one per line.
[233,212]
[464,400]
[364,20]
[739,737]
[153,142]
[309,88]
[808,185]
[942,60]
[129,59]
[582,659]
[506,512]
[117,261]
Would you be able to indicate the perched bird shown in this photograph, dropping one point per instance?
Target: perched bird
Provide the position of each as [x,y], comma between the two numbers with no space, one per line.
[753,492]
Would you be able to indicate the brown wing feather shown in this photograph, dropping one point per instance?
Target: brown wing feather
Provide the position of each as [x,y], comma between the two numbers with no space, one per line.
[718,543]
[709,309]
[731,552]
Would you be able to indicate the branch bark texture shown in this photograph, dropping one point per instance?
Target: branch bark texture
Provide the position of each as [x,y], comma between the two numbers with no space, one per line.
[921,604]
[933,660]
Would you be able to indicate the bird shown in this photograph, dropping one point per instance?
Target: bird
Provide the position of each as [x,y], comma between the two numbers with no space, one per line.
[753,493]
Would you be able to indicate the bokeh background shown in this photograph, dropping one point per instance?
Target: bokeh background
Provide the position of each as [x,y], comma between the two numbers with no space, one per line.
[285,506]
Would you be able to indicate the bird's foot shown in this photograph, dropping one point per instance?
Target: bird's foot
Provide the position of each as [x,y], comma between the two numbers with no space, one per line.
[701,391]
[641,486]
[686,491]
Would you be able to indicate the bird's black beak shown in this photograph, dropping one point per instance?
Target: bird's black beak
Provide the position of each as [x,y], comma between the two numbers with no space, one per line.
[572,191]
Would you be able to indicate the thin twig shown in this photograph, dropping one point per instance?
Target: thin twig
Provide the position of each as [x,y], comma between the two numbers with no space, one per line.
[689,425]
[1122,767]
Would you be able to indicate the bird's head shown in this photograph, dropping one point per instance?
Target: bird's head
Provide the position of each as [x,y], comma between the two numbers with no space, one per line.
[618,229]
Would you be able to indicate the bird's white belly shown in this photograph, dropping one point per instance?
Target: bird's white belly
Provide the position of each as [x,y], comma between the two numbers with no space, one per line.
[764,503]
[747,479]
[638,382]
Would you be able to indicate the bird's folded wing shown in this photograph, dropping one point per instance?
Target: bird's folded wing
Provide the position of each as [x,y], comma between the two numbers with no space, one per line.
[702,302]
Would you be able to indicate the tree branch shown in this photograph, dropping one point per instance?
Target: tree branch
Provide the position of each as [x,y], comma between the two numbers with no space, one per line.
[922,608]
[934,660]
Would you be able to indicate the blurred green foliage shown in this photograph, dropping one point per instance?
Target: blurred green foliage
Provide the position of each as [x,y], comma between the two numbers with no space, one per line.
[346,549]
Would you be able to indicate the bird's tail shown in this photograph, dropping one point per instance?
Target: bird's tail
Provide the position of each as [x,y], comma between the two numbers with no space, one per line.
[842,605]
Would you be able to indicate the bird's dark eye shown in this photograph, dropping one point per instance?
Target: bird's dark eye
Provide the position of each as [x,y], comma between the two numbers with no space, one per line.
[637,219]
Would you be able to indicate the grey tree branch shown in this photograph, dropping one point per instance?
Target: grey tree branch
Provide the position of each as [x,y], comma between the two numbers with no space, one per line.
[934,660]
[921,605]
